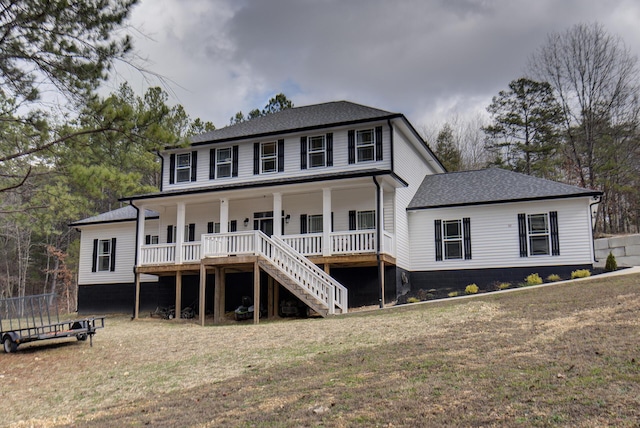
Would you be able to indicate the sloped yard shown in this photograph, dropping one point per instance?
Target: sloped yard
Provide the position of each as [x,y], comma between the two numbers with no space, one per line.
[562,355]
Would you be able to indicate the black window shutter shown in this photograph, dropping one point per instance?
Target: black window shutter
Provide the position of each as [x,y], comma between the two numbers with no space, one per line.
[522,233]
[330,149]
[210,227]
[332,221]
[147,239]
[303,223]
[94,263]
[170,234]
[352,220]
[192,232]
[280,155]
[256,158]
[256,225]
[172,168]
[113,255]
[351,136]
[378,143]
[555,239]
[212,164]
[437,227]
[194,165]
[233,226]
[466,231]
[303,152]
[234,161]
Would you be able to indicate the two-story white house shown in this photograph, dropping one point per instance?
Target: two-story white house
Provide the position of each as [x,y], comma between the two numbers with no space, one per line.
[337,205]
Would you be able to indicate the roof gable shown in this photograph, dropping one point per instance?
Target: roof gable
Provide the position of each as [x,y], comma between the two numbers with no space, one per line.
[295,119]
[488,186]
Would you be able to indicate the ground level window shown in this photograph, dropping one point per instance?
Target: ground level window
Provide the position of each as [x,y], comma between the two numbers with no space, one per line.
[452,239]
[538,233]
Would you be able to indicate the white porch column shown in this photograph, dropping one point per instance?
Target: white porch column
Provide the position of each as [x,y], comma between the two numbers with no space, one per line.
[140,237]
[224,215]
[277,214]
[179,231]
[326,221]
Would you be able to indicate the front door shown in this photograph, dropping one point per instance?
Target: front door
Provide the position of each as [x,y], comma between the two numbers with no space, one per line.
[263,222]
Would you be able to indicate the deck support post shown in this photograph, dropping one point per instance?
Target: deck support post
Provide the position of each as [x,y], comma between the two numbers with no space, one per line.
[276,298]
[178,294]
[203,285]
[136,309]
[256,293]
[270,305]
[381,279]
[218,296]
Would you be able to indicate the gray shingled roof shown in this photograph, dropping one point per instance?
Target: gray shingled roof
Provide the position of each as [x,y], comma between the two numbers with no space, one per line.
[126,213]
[488,186]
[297,118]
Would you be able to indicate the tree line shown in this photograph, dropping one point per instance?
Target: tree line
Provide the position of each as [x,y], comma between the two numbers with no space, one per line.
[573,117]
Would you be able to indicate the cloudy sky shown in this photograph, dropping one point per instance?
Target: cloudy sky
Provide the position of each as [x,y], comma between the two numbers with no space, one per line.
[428,59]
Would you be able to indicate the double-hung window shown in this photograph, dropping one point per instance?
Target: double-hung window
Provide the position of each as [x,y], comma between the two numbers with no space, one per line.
[317,151]
[104,255]
[183,167]
[223,162]
[315,223]
[366,220]
[539,234]
[365,145]
[453,239]
[268,157]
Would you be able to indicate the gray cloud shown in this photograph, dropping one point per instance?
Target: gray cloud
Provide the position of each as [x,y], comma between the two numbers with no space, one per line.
[426,59]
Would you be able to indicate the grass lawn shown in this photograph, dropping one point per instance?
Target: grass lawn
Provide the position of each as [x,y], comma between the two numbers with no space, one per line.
[563,355]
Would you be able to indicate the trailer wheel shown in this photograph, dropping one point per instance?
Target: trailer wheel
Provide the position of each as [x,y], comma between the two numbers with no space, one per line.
[82,337]
[9,345]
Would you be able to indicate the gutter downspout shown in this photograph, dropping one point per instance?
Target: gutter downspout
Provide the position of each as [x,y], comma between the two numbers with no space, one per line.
[378,241]
[593,226]
[161,168]
[135,256]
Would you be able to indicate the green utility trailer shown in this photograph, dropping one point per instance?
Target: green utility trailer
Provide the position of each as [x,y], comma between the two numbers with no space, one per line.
[30,318]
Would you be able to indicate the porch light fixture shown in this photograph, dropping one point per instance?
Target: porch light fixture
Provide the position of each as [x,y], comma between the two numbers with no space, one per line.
[287,218]
[246,222]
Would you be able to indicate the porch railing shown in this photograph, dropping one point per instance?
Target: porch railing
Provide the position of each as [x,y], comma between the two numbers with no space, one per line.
[238,243]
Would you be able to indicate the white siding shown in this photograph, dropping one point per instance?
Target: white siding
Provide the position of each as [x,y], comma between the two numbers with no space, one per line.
[494,235]
[291,159]
[410,165]
[125,234]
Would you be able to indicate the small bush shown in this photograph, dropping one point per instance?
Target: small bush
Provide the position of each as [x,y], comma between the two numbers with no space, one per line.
[453,294]
[580,273]
[413,300]
[611,263]
[503,285]
[553,278]
[533,279]
[471,289]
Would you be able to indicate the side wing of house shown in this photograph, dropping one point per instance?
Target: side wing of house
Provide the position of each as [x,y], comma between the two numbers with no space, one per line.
[482,243]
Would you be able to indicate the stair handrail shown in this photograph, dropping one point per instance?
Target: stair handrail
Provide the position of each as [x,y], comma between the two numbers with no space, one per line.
[340,293]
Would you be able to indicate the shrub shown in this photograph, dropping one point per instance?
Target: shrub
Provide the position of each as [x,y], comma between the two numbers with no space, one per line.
[413,300]
[580,273]
[503,285]
[453,294]
[533,279]
[471,289]
[553,278]
[611,263]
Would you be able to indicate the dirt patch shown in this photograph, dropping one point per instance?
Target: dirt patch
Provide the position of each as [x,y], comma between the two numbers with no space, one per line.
[563,355]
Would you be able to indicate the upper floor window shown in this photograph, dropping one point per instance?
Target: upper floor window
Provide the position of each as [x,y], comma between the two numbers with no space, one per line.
[453,239]
[365,145]
[268,157]
[182,167]
[223,162]
[539,234]
[316,151]
[104,255]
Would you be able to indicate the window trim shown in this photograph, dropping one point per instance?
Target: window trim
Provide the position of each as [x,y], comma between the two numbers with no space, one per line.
[446,239]
[227,162]
[183,168]
[551,234]
[369,145]
[311,152]
[441,239]
[269,158]
[531,234]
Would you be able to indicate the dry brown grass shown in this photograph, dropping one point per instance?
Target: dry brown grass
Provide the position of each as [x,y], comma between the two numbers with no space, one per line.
[563,355]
